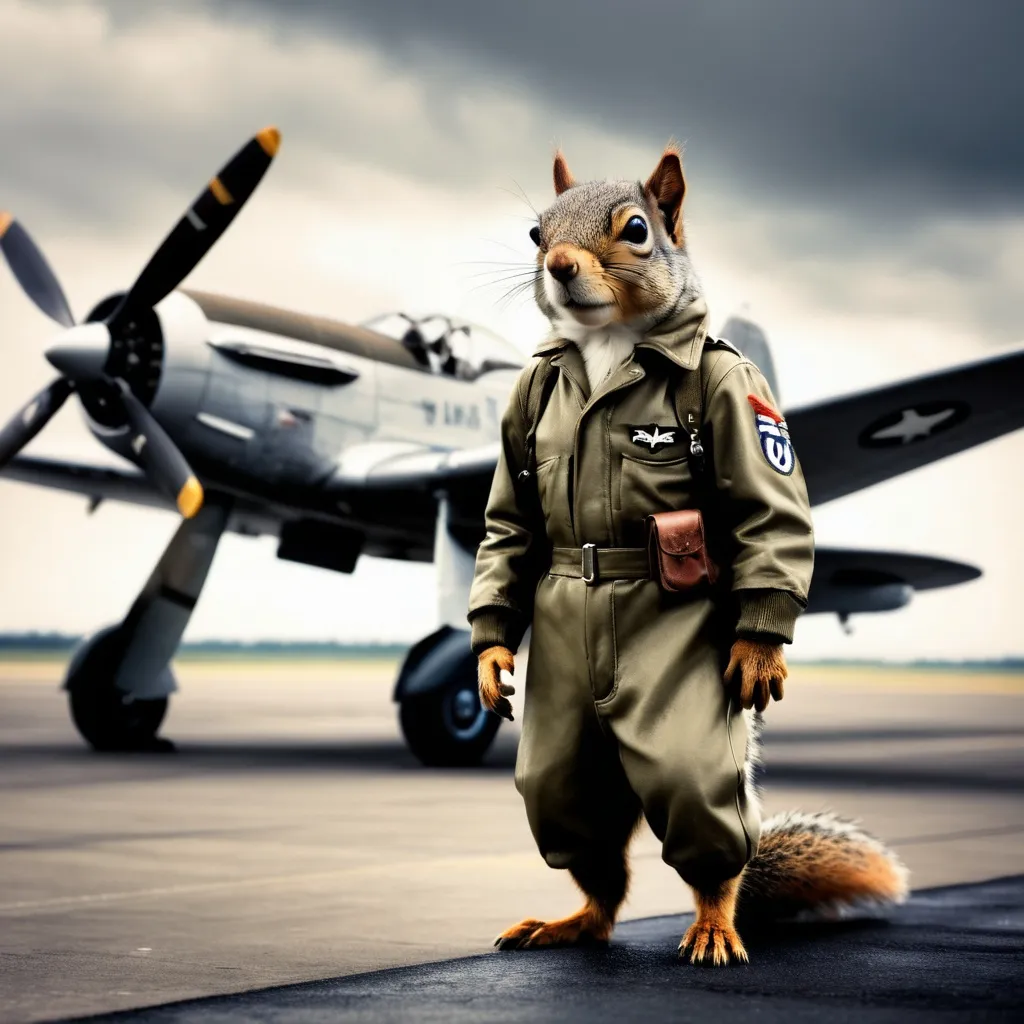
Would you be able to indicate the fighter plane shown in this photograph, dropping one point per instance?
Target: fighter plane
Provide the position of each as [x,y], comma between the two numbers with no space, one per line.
[380,439]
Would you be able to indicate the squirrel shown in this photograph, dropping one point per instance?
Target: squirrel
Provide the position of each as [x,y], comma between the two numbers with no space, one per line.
[612,266]
[806,863]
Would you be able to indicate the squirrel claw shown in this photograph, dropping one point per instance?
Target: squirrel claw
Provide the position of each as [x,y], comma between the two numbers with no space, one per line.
[517,935]
[579,929]
[711,945]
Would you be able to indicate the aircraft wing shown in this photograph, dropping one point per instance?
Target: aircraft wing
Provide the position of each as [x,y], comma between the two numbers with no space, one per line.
[849,443]
[847,580]
[100,483]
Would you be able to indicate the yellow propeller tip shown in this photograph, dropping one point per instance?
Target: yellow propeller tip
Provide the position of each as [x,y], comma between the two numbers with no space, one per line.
[220,192]
[190,498]
[270,140]
[5,222]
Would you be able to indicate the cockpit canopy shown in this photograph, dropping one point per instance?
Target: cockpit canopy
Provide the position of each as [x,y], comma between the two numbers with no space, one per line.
[452,348]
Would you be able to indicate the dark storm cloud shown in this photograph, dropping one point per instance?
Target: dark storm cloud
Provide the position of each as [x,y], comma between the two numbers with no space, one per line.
[865,154]
[894,102]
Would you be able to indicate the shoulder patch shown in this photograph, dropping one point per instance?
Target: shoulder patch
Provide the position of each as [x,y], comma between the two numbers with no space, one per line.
[773,434]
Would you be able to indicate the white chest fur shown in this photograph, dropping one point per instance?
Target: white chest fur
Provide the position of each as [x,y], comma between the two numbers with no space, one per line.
[603,348]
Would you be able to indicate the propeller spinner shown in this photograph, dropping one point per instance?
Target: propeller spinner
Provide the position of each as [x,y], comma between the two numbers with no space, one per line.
[89,356]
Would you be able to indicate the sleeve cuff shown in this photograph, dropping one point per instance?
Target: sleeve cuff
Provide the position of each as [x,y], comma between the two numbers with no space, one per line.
[767,614]
[496,627]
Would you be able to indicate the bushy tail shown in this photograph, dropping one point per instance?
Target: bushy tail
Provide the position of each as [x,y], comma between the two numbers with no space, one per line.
[818,862]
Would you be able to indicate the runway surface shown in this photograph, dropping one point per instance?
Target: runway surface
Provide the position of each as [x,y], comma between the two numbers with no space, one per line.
[951,954]
[292,838]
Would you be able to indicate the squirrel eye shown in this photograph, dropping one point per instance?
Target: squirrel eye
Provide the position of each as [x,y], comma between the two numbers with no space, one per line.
[635,231]
[535,234]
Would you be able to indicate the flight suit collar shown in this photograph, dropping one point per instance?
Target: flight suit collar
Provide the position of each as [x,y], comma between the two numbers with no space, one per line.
[569,357]
[679,338]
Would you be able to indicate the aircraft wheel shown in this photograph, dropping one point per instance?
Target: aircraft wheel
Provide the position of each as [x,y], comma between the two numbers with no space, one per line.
[107,717]
[447,727]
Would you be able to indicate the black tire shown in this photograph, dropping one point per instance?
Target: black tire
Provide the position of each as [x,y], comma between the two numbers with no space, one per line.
[107,717]
[447,727]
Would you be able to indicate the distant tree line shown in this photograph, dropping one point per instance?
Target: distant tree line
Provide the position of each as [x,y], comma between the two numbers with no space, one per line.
[65,642]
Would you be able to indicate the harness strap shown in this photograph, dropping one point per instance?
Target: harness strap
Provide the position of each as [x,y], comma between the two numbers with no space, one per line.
[690,413]
[536,399]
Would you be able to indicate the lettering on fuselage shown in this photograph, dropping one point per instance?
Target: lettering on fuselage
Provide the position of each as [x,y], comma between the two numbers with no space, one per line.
[458,415]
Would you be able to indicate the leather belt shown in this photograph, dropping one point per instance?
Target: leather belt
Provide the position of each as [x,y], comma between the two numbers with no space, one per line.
[593,564]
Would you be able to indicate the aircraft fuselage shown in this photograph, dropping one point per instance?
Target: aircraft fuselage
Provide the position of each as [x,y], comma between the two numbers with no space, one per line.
[276,419]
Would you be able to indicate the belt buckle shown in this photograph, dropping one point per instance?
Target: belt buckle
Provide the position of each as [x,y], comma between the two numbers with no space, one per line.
[589,566]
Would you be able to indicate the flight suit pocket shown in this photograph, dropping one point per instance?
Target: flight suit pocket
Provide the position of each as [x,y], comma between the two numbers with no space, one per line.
[553,489]
[648,485]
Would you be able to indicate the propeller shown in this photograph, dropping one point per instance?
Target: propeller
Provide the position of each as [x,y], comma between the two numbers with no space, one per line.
[32,271]
[84,354]
[32,418]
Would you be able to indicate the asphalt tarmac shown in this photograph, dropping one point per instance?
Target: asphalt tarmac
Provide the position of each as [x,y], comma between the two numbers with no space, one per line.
[951,954]
[291,839]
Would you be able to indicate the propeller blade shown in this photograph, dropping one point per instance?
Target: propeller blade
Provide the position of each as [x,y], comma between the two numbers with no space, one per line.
[32,418]
[159,455]
[32,271]
[204,222]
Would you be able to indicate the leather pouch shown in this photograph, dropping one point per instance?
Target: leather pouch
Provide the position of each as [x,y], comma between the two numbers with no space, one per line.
[677,550]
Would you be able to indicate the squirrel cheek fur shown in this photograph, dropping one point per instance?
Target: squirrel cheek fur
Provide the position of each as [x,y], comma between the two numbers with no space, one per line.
[614,281]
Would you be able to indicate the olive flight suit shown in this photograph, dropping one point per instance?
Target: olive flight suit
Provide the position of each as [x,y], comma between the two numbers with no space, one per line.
[625,706]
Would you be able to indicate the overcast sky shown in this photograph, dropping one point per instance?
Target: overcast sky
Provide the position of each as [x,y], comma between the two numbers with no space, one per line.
[856,182]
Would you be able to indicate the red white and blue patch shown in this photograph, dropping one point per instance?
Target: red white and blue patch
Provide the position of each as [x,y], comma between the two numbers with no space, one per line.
[774,436]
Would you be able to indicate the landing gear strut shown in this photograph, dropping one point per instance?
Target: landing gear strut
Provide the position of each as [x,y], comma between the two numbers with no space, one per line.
[119,680]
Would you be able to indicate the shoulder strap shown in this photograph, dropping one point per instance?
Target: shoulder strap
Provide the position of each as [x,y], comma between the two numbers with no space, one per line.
[722,343]
[690,413]
[537,395]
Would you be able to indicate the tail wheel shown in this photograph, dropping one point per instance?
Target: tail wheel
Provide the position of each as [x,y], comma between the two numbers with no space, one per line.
[447,727]
[106,716]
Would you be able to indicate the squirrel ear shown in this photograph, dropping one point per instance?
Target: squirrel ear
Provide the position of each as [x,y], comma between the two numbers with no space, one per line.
[563,176]
[667,186]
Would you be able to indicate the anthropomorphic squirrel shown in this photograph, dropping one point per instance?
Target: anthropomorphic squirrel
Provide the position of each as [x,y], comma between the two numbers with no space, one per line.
[641,701]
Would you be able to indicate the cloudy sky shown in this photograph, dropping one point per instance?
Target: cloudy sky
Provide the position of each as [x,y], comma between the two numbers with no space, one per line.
[856,184]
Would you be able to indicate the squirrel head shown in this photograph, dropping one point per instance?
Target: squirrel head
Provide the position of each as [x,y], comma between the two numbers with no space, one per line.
[613,251]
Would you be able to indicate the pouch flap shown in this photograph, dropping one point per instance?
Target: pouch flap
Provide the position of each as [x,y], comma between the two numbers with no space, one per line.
[678,534]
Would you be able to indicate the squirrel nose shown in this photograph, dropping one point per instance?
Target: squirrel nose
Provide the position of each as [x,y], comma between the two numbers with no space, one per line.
[562,267]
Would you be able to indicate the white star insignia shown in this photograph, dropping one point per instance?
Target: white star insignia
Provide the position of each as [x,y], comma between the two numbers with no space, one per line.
[912,425]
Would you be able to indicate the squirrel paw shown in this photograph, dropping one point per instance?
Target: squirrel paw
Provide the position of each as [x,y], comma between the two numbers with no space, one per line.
[762,672]
[711,943]
[514,937]
[578,930]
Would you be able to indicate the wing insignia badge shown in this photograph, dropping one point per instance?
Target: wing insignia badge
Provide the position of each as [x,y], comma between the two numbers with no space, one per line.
[652,436]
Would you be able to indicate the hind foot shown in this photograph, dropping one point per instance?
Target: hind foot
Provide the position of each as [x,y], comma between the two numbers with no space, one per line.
[711,943]
[513,937]
[581,929]
[712,939]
